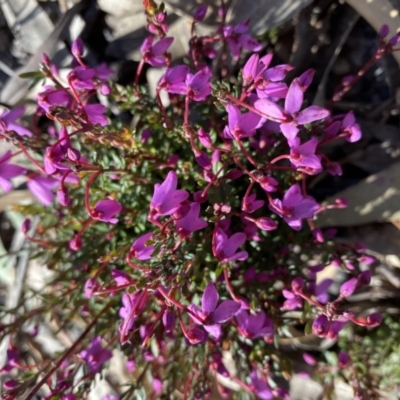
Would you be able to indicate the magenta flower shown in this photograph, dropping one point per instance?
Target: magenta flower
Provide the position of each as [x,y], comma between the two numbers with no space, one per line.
[198,85]
[211,315]
[224,249]
[104,211]
[303,155]
[140,250]
[321,325]
[95,114]
[173,81]
[95,356]
[132,305]
[42,188]
[260,387]
[292,301]
[291,117]
[250,204]
[294,207]
[166,199]
[254,325]
[7,122]
[8,171]
[237,38]
[53,97]
[350,128]
[154,54]
[241,126]
[354,284]
[191,222]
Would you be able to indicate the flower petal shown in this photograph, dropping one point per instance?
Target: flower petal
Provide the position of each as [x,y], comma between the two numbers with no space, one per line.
[210,299]
[226,310]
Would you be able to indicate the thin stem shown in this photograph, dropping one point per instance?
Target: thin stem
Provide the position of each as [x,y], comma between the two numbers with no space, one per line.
[68,353]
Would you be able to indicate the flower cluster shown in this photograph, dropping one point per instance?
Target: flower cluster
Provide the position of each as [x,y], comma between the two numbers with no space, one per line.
[176,239]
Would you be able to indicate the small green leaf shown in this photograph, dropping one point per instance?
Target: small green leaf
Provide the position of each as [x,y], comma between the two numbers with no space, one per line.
[31,74]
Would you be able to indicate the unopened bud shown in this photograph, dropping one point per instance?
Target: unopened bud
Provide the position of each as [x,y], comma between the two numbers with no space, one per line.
[77,48]
[200,13]
[26,225]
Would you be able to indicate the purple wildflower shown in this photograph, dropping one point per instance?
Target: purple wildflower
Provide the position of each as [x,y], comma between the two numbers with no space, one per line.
[240,126]
[294,207]
[260,387]
[173,81]
[291,116]
[166,199]
[95,114]
[7,122]
[104,211]
[198,85]
[303,155]
[237,38]
[140,250]
[191,222]
[211,315]
[42,188]
[8,171]
[224,249]
[250,204]
[350,128]
[154,54]
[53,97]
[292,301]
[95,356]
[253,325]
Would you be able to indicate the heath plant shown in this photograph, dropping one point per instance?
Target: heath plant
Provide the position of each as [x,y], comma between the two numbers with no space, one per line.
[188,236]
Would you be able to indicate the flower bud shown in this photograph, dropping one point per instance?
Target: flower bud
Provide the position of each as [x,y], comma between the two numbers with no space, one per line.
[320,326]
[205,138]
[75,243]
[200,13]
[168,320]
[394,40]
[77,48]
[145,136]
[374,319]
[344,359]
[266,224]
[73,154]
[250,69]
[203,160]
[341,202]
[26,225]
[63,196]
[318,235]
[297,284]
[384,31]
[10,384]
[349,287]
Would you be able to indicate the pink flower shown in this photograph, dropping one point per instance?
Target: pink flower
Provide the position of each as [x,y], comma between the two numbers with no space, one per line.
[95,356]
[7,122]
[224,249]
[104,211]
[191,222]
[166,199]
[211,315]
[154,54]
[42,188]
[140,250]
[254,325]
[241,126]
[303,155]
[237,38]
[291,117]
[294,207]
[8,171]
